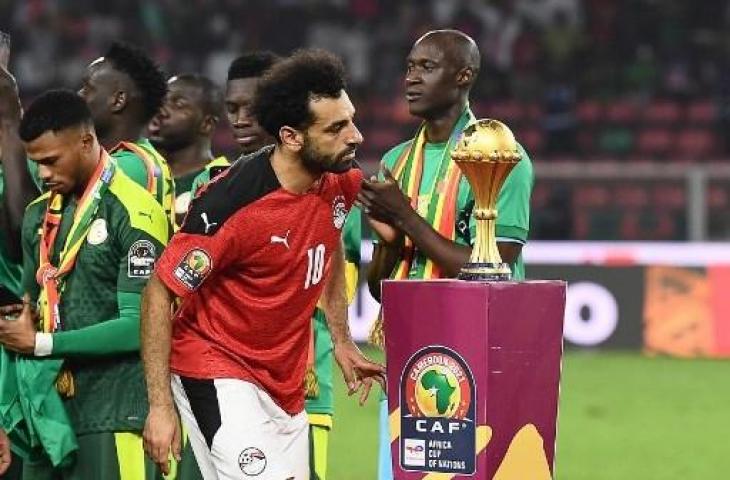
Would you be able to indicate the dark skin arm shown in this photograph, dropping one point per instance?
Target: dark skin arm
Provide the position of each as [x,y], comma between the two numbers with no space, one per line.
[384,202]
[19,187]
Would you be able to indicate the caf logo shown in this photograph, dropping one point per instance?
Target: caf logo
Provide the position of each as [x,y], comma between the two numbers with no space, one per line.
[437,386]
[438,413]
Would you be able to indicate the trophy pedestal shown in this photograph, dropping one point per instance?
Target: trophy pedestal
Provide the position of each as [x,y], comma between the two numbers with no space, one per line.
[473,373]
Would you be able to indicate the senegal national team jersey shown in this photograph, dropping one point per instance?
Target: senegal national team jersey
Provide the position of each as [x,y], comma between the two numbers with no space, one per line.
[125,237]
[186,185]
[513,203]
[210,171]
[132,163]
[10,271]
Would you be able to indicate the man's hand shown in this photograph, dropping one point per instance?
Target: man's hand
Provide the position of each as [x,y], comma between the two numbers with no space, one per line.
[18,335]
[162,436]
[4,452]
[357,370]
[387,233]
[383,200]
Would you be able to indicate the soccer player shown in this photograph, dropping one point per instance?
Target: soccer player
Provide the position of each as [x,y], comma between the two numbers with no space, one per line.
[243,76]
[89,245]
[124,90]
[414,242]
[183,129]
[238,346]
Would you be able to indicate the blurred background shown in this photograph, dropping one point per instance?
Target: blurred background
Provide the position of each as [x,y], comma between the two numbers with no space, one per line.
[624,106]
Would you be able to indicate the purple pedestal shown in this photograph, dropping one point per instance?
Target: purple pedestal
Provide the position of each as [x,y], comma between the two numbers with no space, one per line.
[473,377]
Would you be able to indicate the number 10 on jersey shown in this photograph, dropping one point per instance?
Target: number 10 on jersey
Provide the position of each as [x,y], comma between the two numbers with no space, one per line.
[315,265]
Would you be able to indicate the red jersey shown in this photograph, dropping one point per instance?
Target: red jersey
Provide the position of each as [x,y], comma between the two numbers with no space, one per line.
[250,262]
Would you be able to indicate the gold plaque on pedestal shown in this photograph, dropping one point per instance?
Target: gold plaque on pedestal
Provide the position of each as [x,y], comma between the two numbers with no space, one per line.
[486,153]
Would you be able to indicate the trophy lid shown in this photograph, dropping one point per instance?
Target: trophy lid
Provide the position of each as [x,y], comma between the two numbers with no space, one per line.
[487,140]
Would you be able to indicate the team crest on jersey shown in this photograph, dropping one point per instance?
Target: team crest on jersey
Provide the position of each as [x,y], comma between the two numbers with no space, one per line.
[97,232]
[193,268]
[252,461]
[141,259]
[339,211]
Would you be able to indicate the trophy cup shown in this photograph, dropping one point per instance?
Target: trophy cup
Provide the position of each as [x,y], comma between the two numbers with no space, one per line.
[486,153]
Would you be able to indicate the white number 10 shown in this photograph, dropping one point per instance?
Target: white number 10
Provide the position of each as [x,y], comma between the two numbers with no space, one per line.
[315,267]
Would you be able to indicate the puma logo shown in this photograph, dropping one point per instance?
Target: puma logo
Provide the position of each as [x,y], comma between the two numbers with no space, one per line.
[146,214]
[283,240]
[208,225]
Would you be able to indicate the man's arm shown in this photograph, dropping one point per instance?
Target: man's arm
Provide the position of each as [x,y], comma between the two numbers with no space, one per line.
[156,340]
[356,368]
[162,429]
[20,189]
[5,456]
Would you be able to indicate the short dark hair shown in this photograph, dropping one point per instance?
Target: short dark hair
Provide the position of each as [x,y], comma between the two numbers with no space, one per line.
[211,93]
[283,94]
[146,75]
[54,110]
[252,65]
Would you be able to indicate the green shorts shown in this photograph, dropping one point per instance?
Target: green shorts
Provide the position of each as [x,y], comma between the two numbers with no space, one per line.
[109,455]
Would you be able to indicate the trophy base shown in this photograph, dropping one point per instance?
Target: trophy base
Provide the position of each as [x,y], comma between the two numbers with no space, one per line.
[485,272]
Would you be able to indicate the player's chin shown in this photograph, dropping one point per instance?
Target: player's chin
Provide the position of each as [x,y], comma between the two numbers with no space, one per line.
[340,166]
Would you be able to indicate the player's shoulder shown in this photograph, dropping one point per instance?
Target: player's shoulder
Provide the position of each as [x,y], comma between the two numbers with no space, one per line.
[36,210]
[524,168]
[389,158]
[247,180]
[134,205]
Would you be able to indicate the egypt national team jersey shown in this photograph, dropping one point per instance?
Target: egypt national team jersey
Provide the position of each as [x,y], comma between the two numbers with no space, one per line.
[250,263]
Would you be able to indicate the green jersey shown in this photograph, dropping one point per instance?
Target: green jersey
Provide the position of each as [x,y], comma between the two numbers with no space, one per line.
[211,170]
[323,404]
[10,271]
[126,236]
[135,167]
[513,203]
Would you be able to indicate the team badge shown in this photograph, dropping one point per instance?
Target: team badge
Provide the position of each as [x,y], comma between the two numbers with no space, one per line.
[438,413]
[193,269]
[339,211]
[252,461]
[97,232]
[141,259]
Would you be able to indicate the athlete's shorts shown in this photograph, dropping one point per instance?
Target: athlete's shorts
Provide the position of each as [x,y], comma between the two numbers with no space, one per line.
[108,456]
[235,427]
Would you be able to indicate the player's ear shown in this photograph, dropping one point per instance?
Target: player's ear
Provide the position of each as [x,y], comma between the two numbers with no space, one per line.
[291,138]
[118,101]
[87,139]
[207,126]
[465,76]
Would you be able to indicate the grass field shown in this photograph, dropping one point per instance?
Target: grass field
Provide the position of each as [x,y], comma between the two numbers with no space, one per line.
[622,417]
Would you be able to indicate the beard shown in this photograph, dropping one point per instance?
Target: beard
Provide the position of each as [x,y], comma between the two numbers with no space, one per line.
[316,161]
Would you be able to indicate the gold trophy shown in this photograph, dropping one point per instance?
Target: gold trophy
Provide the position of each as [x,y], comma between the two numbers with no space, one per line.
[486,153]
